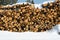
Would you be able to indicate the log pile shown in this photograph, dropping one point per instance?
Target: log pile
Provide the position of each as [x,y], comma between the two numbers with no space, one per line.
[22,18]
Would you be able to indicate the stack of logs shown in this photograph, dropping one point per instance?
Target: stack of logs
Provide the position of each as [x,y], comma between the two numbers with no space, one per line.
[22,18]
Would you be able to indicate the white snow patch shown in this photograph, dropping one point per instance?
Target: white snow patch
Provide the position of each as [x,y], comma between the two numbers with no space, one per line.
[5,35]
[37,5]
[47,2]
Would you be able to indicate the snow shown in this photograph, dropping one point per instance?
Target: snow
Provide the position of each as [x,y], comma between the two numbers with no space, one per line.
[47,2]
[47,35]
[4,35]
[37,5]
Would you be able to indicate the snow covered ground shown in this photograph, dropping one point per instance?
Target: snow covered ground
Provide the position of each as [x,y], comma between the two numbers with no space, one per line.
[48,35]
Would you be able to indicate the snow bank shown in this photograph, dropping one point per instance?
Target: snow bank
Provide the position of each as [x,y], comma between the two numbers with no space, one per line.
[47,2]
